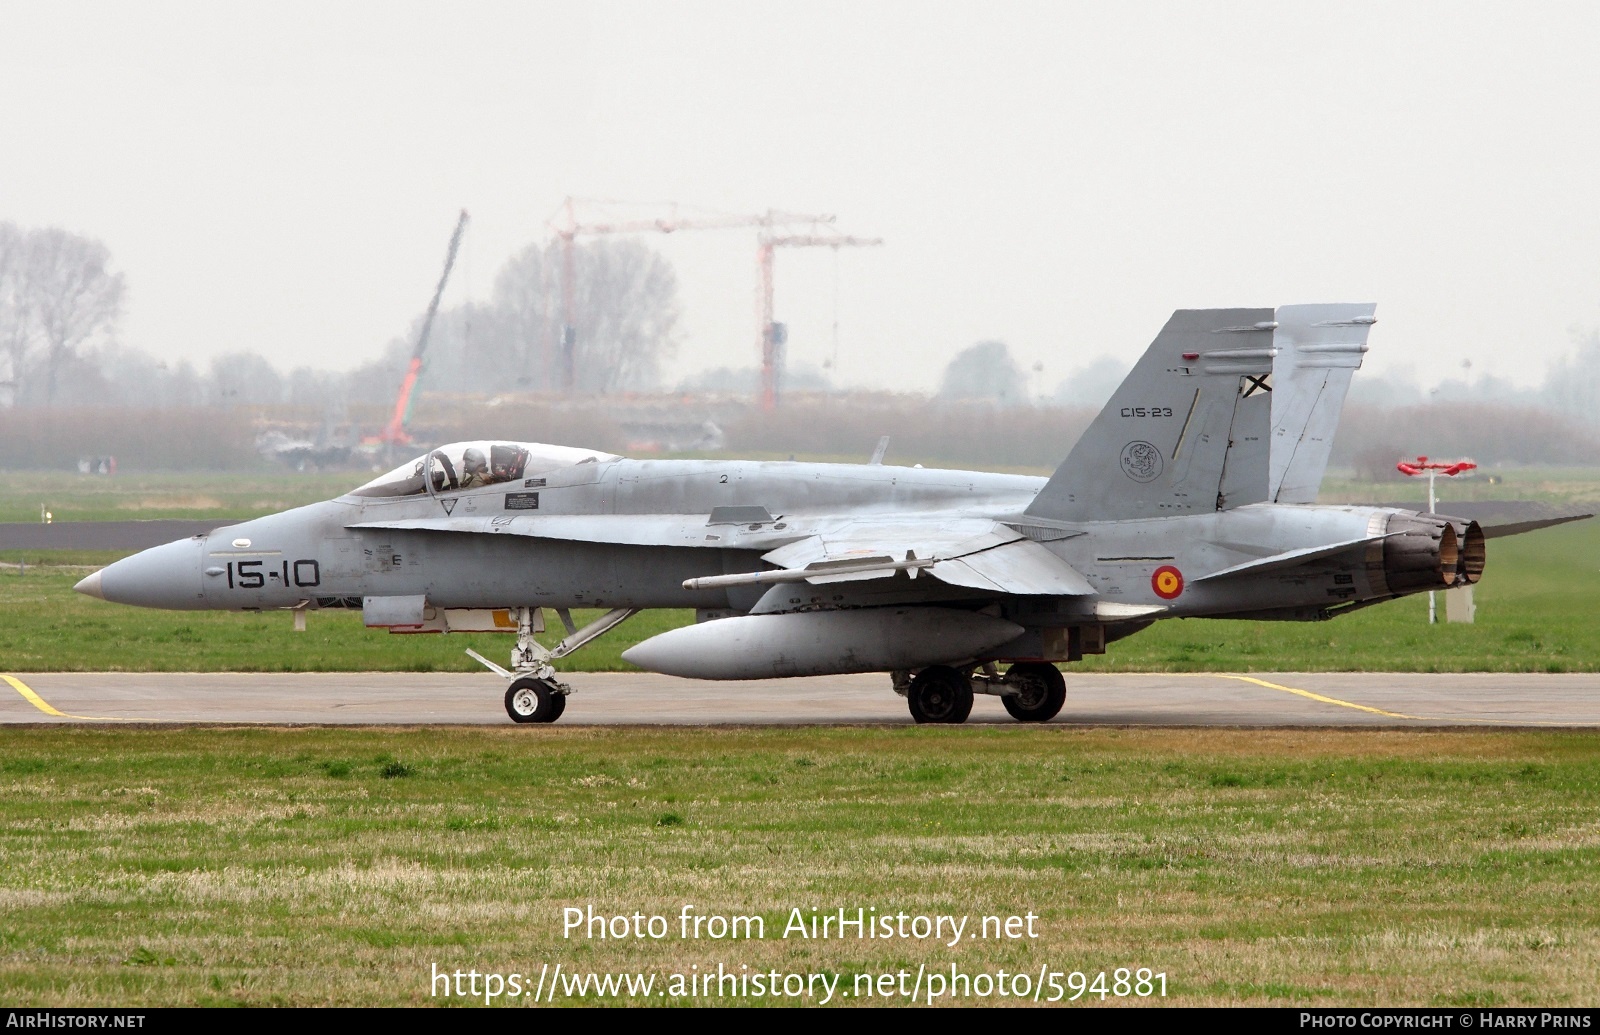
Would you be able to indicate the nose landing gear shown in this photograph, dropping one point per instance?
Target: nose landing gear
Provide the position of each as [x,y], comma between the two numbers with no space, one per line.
[535,695]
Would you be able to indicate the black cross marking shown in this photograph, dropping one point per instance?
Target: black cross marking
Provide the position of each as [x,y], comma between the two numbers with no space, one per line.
[1257,382]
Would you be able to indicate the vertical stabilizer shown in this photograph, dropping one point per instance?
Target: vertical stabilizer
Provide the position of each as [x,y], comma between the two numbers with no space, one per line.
[1161,445]
[1319,348]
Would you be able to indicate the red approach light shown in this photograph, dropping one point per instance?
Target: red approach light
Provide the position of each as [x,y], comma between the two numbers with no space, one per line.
[1191,355]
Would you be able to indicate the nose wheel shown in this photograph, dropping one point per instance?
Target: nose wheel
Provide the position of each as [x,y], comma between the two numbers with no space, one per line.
[529,699]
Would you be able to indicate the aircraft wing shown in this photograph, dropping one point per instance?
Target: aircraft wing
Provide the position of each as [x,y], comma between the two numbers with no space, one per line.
[976,554]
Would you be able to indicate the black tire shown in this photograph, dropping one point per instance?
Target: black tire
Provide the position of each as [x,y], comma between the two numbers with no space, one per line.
[533,700]
[940,694]
[1041,691]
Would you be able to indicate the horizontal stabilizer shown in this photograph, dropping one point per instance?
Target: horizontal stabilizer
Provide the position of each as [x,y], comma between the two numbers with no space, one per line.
[1292,558]
[1500,518]
[1532,525]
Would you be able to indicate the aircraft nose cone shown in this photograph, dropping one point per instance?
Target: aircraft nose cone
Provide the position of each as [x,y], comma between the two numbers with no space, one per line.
[162,576]
[90,586]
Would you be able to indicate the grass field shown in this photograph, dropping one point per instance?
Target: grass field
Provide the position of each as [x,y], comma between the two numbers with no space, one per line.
[269,866]
[1536,613]
[171,494]
[1576,486]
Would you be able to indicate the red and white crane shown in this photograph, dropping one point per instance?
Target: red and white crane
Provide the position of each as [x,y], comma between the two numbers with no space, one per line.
[394,433]
[776,229]
[773,335]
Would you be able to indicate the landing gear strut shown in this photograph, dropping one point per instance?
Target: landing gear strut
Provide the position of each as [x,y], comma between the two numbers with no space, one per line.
[535,695]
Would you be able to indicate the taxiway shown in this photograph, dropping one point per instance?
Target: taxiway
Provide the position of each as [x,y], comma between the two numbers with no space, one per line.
[1257,699]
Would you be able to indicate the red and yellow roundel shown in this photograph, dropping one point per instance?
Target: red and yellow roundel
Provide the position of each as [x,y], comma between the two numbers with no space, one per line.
[1167,582]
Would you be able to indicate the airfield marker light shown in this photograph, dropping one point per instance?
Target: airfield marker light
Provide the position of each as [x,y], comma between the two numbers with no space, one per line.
[1433,468]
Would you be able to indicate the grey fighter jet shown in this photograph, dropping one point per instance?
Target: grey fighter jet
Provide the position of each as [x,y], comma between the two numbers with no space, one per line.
[1192,495]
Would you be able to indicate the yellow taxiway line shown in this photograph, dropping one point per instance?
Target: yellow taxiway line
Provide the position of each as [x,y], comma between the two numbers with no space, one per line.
[1327,700]
[1379,711]
[45,706]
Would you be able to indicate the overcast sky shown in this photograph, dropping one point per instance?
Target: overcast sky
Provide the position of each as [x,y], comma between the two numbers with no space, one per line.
[283,177]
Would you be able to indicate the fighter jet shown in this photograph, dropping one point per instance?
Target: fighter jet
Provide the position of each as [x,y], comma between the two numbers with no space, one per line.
[1191,495]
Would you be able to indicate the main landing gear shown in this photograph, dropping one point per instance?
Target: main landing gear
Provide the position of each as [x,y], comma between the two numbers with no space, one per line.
[1031,691]
[1037,691]
[940,694]
[535,694]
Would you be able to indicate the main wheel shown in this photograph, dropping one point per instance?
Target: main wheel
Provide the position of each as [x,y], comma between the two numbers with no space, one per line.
[533,700]
[940,694]
[1040,691]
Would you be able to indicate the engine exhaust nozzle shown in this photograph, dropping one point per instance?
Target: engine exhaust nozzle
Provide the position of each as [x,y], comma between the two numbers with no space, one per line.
[1421,552]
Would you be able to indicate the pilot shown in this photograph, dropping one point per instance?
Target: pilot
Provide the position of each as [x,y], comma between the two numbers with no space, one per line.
[474,469]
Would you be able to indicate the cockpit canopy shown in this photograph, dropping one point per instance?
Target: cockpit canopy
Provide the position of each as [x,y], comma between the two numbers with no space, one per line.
[469,465]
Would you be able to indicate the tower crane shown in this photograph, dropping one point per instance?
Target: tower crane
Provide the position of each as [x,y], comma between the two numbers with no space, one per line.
[567,226]
[774,335]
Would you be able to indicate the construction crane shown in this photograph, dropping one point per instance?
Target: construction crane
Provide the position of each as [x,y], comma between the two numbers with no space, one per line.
[567,226]
[775,335]
[616,217]
[394,433]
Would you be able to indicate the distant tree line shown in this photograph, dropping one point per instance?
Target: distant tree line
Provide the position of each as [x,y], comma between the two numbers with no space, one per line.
[60,303]
[625,317]
[58,294]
